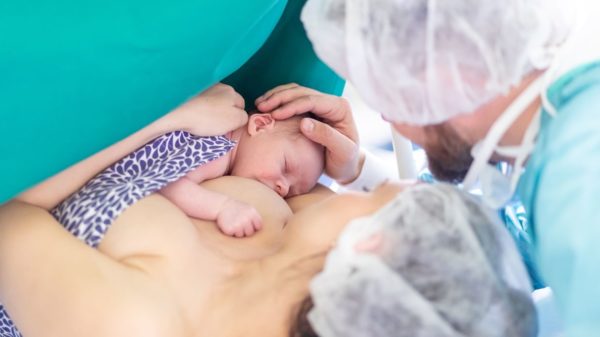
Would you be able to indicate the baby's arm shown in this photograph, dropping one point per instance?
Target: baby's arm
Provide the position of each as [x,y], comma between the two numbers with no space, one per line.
[233,217]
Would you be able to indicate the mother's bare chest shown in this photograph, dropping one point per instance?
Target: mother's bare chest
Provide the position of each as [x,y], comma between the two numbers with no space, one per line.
[156,227]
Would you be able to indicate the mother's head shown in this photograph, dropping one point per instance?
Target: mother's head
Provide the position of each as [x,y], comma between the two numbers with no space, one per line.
[432,262]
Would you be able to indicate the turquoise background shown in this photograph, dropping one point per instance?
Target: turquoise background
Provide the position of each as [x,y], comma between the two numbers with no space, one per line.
[77,76]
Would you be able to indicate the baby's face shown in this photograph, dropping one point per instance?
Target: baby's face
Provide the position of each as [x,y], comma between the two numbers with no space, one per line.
[288,164]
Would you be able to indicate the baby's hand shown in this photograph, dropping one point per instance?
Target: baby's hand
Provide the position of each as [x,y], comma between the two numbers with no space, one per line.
[238,219]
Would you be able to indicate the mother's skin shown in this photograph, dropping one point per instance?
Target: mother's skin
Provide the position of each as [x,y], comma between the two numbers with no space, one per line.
[159,273]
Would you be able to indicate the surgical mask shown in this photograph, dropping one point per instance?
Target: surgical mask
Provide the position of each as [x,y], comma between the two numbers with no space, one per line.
[497,188]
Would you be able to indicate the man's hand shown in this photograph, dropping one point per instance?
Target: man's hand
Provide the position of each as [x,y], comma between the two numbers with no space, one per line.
[337,132]
[216,111]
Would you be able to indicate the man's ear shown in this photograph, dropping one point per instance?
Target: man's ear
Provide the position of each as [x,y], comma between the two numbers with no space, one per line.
[260,122]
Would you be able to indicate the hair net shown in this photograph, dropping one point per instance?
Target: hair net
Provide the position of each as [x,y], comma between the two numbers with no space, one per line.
[425,61]
[442,268]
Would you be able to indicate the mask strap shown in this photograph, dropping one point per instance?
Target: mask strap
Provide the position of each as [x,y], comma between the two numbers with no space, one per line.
[482,153]
[548,78]
[528,144]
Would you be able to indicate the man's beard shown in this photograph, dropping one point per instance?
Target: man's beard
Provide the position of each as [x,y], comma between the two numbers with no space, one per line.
[448,155]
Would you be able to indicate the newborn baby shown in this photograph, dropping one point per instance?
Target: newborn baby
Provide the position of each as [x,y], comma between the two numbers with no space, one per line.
[273,152]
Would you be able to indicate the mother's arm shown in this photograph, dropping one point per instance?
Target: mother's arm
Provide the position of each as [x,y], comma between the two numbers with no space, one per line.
[54,285]
[214,112]
[53,190]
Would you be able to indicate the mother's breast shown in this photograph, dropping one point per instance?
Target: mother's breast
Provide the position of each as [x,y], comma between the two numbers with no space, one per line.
[274,212]
[156,227]
[152,226]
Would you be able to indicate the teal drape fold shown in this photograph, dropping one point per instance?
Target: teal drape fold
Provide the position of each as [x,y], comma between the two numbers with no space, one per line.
[77,76]
[286,57]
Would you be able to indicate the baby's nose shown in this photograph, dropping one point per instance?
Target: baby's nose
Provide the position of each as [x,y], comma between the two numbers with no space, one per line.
[282,187]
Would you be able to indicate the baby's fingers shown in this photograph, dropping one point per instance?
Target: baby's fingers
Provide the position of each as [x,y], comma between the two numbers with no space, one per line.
[228,230]
[258,223]
[254,225]
[239,232]
[249,230]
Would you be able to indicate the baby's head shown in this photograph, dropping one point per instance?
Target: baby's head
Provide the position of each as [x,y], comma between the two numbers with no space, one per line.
[277,154]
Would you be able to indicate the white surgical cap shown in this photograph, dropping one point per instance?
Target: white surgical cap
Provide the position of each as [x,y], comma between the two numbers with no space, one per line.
[443,268]
[425,61]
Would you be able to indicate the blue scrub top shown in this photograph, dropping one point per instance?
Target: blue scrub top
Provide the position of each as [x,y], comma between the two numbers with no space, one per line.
[561,193]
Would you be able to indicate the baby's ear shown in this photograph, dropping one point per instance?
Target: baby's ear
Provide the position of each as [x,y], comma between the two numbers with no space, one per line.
[259,123]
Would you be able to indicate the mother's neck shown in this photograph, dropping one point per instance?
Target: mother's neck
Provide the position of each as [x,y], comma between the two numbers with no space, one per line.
[261,301]
[264,301]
